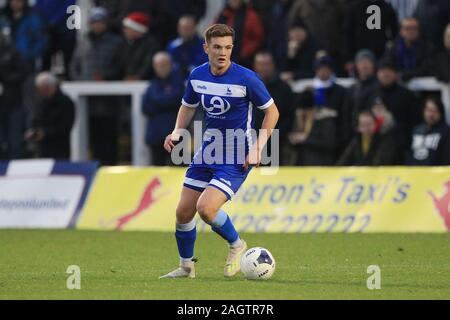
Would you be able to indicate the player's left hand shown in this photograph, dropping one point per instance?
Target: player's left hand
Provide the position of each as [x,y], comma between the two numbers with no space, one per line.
[253,159]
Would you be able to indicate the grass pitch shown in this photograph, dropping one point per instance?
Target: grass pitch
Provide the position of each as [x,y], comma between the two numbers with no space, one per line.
[126,265]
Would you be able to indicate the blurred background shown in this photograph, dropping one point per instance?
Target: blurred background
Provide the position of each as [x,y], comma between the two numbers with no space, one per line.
[110,90]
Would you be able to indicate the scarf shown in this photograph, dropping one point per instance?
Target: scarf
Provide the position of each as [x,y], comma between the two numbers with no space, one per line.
[320,90]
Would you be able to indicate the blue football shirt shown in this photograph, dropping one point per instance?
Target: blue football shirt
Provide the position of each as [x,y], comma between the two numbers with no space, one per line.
[228,101]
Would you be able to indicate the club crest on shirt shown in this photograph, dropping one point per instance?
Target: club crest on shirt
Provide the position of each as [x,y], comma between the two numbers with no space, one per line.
[216,106]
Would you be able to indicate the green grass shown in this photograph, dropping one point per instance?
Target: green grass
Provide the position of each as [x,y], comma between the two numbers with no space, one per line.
[316,266]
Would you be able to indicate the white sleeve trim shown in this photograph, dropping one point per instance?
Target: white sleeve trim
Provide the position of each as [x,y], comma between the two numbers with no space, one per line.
[266,105]
[189,105]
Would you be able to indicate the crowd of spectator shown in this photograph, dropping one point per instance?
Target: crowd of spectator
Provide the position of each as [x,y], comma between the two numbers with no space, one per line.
[377,121]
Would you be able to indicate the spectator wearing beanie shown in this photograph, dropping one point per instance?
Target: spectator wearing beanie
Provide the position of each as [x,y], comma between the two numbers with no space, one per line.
[141,46]
[98,56]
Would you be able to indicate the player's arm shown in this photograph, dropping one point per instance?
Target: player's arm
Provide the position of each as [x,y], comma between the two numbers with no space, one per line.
[184,118]
[271,116]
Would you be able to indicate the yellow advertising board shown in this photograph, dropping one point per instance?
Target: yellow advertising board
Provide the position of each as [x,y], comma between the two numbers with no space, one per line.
[302,200]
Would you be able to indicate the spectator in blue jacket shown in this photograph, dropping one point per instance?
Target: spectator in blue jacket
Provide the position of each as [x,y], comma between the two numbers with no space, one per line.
[61,38]
[187,50]
[27,30]
[160,105]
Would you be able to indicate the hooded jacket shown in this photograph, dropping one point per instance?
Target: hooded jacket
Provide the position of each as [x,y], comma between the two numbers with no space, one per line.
[430,145]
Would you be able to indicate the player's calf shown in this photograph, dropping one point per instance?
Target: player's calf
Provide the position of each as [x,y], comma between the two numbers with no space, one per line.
[222,225]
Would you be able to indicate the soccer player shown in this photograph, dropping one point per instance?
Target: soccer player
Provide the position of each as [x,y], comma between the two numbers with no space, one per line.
[227,92]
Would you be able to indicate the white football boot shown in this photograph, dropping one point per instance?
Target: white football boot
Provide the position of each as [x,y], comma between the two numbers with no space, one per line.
[186,270]
[233,263]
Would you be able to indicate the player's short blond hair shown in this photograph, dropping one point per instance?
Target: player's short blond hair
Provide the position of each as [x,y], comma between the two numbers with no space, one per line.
[218,31]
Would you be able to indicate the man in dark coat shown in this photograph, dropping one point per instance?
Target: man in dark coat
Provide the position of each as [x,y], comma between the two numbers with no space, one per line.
[300,54]
[99,58]
[277,37]
[409,52]
[401,102]
[160,105]
[13,71]
[357,98]
[281,92]
[53,120]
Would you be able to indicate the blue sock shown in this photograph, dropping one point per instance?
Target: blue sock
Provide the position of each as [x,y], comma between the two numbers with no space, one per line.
[223,226]
[186,235]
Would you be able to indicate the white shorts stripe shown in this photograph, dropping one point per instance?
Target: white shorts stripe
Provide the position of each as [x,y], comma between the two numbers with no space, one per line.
[195,183]
[222,186]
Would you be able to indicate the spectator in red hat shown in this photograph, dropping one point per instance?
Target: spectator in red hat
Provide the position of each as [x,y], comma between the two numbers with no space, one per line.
[140,49]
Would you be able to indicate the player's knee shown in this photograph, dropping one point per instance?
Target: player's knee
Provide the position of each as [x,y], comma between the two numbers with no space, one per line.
[206,211]
[184,214]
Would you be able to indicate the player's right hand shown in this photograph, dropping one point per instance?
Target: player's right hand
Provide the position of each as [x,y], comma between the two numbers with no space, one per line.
[170,141]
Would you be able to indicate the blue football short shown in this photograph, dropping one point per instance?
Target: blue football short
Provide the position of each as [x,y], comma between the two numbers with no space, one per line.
[228,178]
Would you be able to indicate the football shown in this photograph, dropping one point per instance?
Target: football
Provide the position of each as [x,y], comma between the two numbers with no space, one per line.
[257,263]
